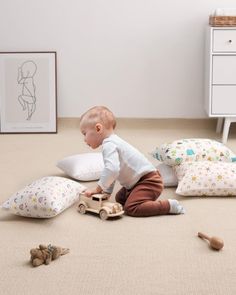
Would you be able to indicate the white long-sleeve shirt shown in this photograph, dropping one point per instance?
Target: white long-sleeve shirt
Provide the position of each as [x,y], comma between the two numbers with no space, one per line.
[122,162]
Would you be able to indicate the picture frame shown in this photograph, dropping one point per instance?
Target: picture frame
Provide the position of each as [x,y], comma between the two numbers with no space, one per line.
[28,92]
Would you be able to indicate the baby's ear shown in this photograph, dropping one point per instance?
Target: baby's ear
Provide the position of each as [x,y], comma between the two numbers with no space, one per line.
[98,127]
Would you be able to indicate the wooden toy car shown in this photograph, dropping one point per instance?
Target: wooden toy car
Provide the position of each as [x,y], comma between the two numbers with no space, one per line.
[99,204]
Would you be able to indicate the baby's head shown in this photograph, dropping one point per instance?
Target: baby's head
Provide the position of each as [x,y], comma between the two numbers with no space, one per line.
[29,69]
[98,114]
[96,124]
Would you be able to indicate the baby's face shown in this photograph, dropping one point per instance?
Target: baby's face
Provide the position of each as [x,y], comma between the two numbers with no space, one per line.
[28,69]
[25,72]
[91,136]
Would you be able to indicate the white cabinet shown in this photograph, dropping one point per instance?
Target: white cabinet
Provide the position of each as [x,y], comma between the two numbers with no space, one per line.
[220,80]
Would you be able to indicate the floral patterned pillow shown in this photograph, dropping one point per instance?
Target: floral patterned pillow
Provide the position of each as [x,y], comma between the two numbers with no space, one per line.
[206,179]
[193,149]
[44,198]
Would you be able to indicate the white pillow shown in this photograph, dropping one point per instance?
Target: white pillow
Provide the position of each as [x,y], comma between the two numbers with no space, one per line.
[168,175]
[85,167]
[193,149]
[45,197]
[206,179]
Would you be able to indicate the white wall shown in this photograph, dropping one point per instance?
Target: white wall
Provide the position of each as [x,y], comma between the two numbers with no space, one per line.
[141,58]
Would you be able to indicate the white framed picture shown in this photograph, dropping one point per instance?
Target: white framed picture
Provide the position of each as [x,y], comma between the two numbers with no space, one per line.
[28,92]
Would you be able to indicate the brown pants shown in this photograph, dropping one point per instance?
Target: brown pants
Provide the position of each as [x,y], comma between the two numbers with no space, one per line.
[141,199]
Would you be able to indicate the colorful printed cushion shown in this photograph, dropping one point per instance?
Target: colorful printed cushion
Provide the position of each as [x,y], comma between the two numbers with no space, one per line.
[206,179]
[84,167]
[193,149]
[45,197]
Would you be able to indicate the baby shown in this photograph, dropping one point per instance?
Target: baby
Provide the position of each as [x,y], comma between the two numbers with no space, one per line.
[141,182]
[25,77]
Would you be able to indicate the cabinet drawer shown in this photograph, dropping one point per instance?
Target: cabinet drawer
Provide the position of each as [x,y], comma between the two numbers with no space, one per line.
[224,69]
[223,100]
[224,40]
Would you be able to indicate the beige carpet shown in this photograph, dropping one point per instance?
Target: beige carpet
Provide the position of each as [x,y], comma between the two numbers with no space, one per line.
[155,255]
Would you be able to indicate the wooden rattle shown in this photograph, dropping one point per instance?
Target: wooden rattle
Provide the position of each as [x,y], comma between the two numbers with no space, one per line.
[215,242]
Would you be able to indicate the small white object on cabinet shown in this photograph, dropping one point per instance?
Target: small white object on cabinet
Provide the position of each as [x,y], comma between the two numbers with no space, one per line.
[220,88]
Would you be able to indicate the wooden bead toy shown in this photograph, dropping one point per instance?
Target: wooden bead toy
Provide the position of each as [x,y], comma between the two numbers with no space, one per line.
[214,242]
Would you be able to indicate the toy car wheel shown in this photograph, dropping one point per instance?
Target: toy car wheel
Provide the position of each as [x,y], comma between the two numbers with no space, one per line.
[82,209]
[103,214]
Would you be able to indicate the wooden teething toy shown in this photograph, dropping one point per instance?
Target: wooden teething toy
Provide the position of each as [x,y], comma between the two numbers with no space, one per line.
[215,242]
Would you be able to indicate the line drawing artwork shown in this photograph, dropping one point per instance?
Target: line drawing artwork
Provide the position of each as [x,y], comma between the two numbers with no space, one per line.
[27,97]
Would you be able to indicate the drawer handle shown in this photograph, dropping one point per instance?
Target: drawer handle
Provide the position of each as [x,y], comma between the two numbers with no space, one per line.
[230,41]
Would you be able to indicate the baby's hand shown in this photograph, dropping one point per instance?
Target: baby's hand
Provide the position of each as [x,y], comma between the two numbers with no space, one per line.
[96,190]
[88,193]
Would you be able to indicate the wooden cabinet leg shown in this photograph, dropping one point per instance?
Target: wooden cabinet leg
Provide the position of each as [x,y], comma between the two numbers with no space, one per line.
[226,130]
[219,124]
